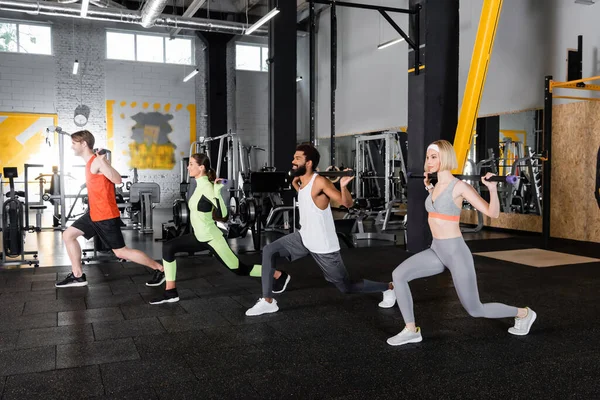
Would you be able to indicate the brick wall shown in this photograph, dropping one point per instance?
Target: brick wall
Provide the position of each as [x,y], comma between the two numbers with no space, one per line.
[88,86]
[27,83]
[144,88]
[45,84]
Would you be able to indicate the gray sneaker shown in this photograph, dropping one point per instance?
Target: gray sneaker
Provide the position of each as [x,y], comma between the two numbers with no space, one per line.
[522,325]
[404,337]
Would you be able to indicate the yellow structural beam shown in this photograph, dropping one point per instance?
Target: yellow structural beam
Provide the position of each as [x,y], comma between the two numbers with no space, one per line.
[573,84]
[575,98]
[421,67]
[482,52]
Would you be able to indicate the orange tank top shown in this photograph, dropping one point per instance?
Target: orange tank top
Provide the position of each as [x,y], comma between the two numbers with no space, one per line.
[101,195]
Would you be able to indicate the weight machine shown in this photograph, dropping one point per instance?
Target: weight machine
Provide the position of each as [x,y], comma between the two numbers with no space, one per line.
[13,228]
[381,180]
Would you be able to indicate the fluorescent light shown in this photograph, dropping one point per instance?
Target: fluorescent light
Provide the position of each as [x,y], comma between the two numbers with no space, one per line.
[388,44]
[84,7]
[191,75]
[261,21]
[75,67]
[298,78]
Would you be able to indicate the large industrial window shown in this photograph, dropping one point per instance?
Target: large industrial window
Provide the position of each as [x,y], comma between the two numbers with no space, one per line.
[121,45]
[25,38]
[251,57]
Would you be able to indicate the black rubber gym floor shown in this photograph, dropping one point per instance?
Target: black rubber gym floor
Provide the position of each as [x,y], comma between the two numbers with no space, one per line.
[105,341]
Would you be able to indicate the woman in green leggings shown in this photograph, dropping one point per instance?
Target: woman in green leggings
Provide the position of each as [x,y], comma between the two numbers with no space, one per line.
[205,205]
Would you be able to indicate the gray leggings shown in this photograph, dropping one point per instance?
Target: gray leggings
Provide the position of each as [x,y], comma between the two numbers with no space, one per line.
[334,270]
[456,256]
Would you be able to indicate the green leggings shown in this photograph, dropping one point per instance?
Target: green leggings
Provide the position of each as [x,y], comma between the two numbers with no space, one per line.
[189,244]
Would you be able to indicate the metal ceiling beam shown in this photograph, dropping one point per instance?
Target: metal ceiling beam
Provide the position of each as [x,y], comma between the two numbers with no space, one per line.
[241,4]
[126,17]
[106,3]
[189,12]
[151,11]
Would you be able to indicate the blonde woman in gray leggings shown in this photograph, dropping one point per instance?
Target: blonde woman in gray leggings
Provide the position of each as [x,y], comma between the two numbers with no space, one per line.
[449,249]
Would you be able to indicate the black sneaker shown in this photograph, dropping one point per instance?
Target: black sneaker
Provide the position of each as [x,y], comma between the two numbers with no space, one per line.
[281,283]
[158,279]
[169,296]
[72,281]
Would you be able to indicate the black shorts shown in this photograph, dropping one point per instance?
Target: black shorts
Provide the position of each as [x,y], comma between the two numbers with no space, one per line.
[109,230]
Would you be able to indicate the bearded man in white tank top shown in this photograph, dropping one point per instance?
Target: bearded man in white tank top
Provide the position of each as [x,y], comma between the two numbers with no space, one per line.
[317,237]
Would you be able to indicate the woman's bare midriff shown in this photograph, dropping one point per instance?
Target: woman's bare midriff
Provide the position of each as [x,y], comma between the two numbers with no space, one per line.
[442,229]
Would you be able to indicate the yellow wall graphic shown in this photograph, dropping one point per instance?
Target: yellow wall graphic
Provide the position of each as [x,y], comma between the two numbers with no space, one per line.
[22,139]
[150,133]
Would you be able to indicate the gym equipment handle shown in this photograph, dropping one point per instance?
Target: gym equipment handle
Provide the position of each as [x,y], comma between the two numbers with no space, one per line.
[512,179]
[18,193]
[329,174]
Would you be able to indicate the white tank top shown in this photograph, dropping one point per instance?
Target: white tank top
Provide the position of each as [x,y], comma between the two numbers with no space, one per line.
[316,226]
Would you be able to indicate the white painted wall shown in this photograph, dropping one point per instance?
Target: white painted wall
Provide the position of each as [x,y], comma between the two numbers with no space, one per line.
[372,84]
[569,21]
[248,103]
[531,42]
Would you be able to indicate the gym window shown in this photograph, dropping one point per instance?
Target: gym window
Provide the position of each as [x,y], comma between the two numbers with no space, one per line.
[149,48]
[16,37]
[251,57]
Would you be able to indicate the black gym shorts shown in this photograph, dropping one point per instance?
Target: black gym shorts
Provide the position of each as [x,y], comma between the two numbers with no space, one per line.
[109,230]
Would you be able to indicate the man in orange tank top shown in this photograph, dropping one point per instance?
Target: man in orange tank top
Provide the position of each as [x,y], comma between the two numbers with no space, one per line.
[103,218]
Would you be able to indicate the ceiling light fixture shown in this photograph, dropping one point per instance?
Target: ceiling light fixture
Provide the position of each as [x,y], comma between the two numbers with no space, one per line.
[75,67]
[389,43]
[262,21]
[191,75]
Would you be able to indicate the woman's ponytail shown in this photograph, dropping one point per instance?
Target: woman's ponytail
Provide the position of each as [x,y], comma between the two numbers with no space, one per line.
[212,175]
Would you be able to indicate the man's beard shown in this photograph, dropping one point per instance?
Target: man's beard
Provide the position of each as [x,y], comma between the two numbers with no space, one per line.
[300,171]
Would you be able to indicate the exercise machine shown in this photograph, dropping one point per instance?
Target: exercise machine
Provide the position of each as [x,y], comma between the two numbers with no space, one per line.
[13,228]
[145,193]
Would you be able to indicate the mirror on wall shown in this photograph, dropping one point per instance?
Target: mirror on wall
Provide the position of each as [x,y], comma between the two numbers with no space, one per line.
[510,144]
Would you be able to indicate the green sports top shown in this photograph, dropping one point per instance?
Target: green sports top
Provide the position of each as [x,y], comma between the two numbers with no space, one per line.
[206,197]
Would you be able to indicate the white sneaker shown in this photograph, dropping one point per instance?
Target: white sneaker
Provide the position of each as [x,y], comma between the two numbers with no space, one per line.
[389,299]
[262,307]
[404,337]
[522,325]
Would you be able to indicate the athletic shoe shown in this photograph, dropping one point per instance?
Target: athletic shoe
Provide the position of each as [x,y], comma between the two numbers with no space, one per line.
[169,296]
[72,281]
[158,278]
[280,284]
[389,299]
[404,337]
[262,307]
[522,325]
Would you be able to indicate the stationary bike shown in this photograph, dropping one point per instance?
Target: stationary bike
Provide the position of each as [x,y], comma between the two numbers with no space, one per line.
[13,229]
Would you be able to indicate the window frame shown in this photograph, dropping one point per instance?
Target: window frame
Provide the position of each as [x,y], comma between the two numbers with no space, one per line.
[263,49]
[164,47]
[18,22]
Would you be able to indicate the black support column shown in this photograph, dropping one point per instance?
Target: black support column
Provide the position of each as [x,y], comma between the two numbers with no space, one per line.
[432,102]
[216,102]
[282,84]
[312,69]
[488,137]
[546,171]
